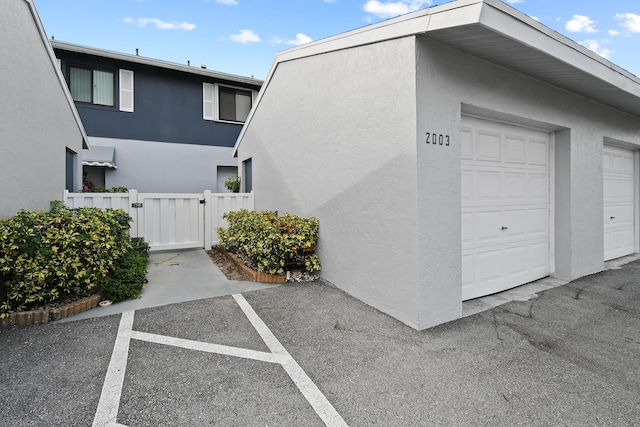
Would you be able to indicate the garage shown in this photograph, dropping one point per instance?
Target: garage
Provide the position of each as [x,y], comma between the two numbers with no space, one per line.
[618,173]
[505,171]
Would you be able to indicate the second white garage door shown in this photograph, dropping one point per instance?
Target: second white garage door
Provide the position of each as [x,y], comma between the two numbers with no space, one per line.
[619,202]
[505,206]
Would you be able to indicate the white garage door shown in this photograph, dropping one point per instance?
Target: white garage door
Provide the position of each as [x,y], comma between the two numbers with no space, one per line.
[505,206]
[619,202]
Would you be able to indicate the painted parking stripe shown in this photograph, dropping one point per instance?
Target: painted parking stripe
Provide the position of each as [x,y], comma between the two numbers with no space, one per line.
[314,396]
[109,402]
[210,348]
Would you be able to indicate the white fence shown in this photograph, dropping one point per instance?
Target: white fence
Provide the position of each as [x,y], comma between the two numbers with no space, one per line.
[169,221]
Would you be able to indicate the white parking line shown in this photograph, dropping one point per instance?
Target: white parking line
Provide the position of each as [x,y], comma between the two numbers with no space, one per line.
[314,396]
[109,403]
[210,348]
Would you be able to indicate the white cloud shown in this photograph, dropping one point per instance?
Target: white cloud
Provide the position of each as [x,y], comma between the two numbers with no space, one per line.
[630,21]
[614,32]
[300,39]
[329,1]
[161,25]
[514,1]
[245,36]
[228,2]
[389,9]
[594,46]
[581,24]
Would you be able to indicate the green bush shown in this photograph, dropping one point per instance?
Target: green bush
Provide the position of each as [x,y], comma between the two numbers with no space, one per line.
[275,244]
[129,276]
[49,256]
[233,183]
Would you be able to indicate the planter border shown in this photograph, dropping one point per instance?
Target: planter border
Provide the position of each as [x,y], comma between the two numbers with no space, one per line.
[40,317]
[254,276]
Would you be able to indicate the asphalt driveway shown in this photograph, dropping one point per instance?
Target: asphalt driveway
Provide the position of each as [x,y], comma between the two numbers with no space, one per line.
[306,355]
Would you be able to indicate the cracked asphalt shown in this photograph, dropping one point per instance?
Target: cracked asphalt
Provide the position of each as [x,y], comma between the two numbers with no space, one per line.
[569,357]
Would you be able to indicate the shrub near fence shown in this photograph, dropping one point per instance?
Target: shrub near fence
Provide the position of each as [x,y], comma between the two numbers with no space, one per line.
[49,256]
[274,244]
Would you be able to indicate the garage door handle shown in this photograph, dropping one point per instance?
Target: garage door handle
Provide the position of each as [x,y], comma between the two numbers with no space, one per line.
[504,228]
[613,217]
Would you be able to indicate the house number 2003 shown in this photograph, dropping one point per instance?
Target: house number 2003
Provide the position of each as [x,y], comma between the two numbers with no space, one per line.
[437,139]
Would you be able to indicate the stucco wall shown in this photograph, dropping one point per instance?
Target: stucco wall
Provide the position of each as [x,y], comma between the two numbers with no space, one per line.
[36,120]
[334,137]
[342,135]
[451,83]
[163,167]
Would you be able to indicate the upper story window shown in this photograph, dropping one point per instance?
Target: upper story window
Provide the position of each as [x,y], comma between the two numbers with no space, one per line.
[226,103]
[92,86]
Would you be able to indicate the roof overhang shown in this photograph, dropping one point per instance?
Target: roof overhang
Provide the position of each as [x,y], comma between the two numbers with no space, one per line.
[100,156]
[495,32]
[136,59]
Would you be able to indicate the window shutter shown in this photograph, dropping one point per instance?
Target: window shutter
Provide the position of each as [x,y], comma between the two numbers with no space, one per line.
[207,101]
[126,91]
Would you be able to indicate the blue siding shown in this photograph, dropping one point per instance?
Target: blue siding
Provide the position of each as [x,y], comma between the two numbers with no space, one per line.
[167,107]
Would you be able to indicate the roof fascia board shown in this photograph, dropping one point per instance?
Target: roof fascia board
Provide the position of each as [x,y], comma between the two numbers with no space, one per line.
[58,71]
[70,47]
[527,31]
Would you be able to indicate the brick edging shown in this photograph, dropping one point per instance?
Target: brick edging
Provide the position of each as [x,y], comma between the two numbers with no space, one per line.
[254,276]
[37,317]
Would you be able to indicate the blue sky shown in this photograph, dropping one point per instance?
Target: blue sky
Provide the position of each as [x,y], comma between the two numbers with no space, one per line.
[243,36]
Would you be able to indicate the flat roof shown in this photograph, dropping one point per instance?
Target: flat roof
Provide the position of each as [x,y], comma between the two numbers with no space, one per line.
[70,47]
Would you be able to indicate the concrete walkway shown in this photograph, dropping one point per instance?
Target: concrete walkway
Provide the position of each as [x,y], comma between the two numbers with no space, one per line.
[176,276]
[307,355]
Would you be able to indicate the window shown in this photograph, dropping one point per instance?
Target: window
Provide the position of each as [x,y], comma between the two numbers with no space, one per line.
[226,103]
[91,86]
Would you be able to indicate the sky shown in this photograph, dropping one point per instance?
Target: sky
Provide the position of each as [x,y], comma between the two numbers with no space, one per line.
[242,37]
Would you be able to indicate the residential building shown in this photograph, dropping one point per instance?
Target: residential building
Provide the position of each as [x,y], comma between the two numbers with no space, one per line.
[450,153]
[155,126]
[41,135]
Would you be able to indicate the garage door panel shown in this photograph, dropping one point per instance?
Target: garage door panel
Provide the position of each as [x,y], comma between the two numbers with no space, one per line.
[466,147]
[619,202]
[516,149]
[489,185]
[488,146]
[515,185]
[505,206]
[487,226]
[467,185]
[539,151]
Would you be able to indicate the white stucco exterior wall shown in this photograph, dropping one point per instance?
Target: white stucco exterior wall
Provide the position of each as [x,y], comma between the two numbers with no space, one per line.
[37,123]
[334,137]
[451,83]
[341,135]
[164,167]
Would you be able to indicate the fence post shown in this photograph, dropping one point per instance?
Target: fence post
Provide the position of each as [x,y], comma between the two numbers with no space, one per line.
[133,198]
[208,212]
[251,206]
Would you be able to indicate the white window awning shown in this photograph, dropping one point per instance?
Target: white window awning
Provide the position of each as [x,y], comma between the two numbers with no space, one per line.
[100,156]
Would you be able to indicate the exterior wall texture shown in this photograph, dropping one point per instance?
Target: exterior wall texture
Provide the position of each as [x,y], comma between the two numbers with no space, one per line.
[334,137]
[162,167]
[341,136]
[37,123]
[462,84]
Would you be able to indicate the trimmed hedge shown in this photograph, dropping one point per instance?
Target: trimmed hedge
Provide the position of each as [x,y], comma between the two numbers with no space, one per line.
[274,244]
[50,256]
